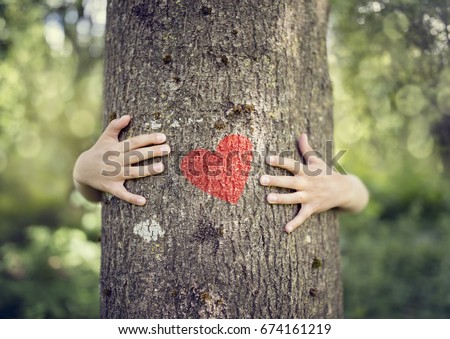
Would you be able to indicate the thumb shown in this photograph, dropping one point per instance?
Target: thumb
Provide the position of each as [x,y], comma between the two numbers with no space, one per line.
[306,150]
[121,192]
[115,126]
[299,219]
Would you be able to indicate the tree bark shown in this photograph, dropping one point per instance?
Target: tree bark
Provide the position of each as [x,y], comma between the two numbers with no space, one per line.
[199,71]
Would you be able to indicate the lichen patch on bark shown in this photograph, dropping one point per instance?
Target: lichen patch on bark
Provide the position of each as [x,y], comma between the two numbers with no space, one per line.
[155,125]
[175,124]
[148,230]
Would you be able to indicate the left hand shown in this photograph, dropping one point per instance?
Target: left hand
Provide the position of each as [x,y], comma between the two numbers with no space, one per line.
[317,187]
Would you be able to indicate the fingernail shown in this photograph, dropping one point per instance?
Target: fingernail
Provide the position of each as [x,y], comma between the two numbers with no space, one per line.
[271,198]
[270,159]
[161,137]
[141,201]
[165,148]
[158,167]
[264,180]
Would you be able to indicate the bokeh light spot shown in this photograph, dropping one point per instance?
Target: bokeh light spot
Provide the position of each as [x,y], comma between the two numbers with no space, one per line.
[395,25]
[410,100]
[54,33]
[82,124]
[28,144]
[419,143]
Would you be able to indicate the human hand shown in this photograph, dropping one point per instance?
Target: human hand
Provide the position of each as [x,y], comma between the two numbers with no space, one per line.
[107,164]
[317,187]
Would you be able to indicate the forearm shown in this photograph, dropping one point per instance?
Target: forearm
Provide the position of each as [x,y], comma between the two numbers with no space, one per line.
[88,192]
[355,195]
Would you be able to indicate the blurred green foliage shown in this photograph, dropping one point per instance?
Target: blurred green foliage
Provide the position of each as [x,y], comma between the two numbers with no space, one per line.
[390,67]
[50,106]
[389,62]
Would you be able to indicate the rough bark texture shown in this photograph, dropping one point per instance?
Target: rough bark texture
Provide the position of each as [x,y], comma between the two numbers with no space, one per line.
[188,68]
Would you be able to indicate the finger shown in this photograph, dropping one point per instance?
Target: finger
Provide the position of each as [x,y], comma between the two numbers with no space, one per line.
[145,153]
[294,183]
[115,126]
[289,164]
[133,172]
[287,198]
[121,192]
[143,140]
[306,150]
[299,219]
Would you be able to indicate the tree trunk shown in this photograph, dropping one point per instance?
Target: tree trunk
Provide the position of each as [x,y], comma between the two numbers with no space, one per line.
[200,71]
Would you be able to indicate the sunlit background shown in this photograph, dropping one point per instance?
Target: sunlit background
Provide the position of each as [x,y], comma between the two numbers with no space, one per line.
[389,64]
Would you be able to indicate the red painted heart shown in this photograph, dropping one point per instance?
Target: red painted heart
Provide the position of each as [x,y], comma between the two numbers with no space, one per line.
[222,173]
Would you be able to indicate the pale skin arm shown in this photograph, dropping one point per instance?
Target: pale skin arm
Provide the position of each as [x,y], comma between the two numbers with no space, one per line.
[316,193]
[92,175]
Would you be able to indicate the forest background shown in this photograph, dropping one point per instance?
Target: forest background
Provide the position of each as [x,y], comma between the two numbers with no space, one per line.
[389,62]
